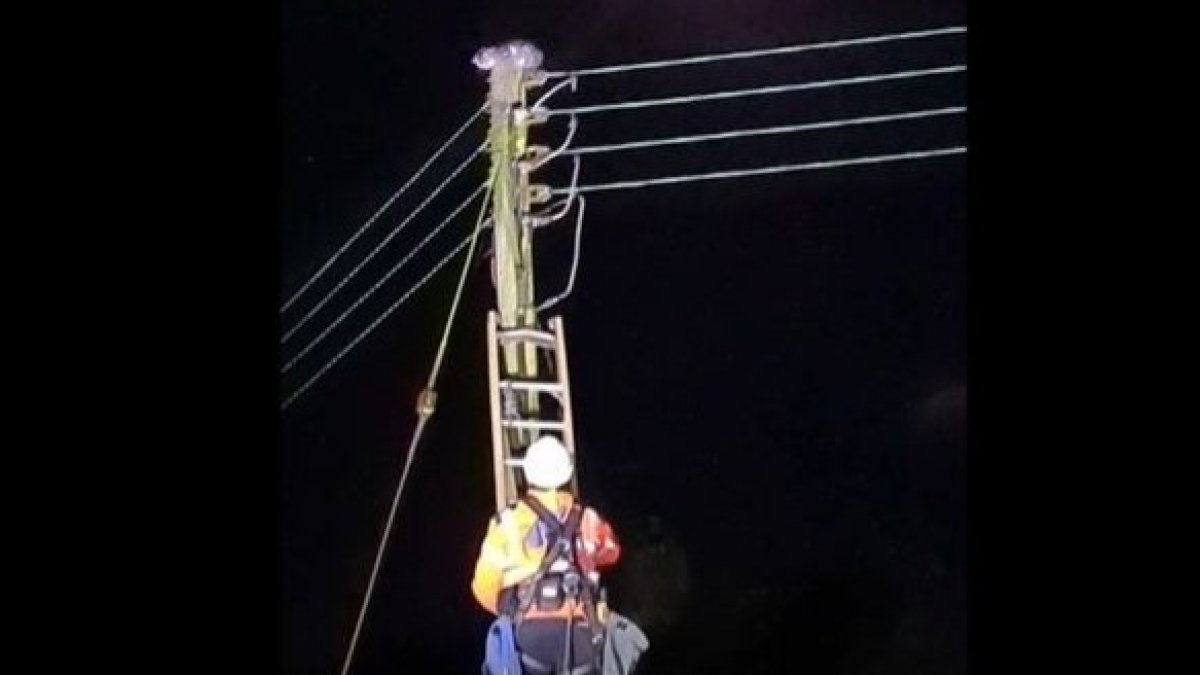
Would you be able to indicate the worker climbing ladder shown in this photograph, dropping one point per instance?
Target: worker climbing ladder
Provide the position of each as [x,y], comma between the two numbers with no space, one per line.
[529,384]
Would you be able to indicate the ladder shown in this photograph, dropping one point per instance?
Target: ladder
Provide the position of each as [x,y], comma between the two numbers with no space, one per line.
[524,408]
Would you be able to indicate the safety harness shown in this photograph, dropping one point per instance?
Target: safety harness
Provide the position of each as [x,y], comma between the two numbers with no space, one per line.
[557,580]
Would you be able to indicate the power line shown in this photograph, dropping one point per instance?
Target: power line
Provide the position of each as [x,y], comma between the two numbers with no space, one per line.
[876,119]
[381,209]
[395,268]
[877,159]
[574,261]
[329,364]
[776,89]
[357,268]
[755,53]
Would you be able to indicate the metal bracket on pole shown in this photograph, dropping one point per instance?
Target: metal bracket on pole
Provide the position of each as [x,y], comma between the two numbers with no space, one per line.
[535,194]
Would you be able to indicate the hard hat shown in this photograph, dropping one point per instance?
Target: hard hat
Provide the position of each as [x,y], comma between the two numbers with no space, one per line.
[547,463]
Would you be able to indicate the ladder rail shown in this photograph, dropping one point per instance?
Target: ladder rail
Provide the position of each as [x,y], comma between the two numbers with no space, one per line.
[500,469]
[560,356]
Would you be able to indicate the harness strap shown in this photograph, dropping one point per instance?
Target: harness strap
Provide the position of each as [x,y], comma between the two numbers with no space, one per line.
[561,541]
[566,532]
[566,529]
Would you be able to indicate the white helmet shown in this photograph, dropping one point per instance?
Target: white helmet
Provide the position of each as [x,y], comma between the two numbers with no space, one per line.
[547,463]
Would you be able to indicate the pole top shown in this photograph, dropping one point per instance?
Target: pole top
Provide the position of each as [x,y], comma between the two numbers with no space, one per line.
[516,54]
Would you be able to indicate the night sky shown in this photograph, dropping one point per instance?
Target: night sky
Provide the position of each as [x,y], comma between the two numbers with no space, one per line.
[768,373]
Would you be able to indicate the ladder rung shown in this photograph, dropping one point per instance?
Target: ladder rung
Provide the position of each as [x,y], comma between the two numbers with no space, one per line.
[538,337]
[533,424]
[524,385]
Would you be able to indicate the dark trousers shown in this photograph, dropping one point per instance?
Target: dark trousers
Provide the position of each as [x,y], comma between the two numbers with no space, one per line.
[543,641]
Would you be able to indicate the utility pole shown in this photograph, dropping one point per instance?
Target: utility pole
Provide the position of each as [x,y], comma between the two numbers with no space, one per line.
[513,69]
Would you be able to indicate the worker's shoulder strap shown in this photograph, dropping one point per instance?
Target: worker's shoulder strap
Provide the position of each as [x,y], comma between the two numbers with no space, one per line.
[564,529]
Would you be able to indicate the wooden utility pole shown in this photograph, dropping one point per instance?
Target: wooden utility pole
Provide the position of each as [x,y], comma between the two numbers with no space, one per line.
[513,69]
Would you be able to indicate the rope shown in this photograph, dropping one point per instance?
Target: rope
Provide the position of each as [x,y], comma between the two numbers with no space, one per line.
[424,415]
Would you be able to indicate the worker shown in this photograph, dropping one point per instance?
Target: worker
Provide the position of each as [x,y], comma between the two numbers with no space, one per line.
[538,572]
